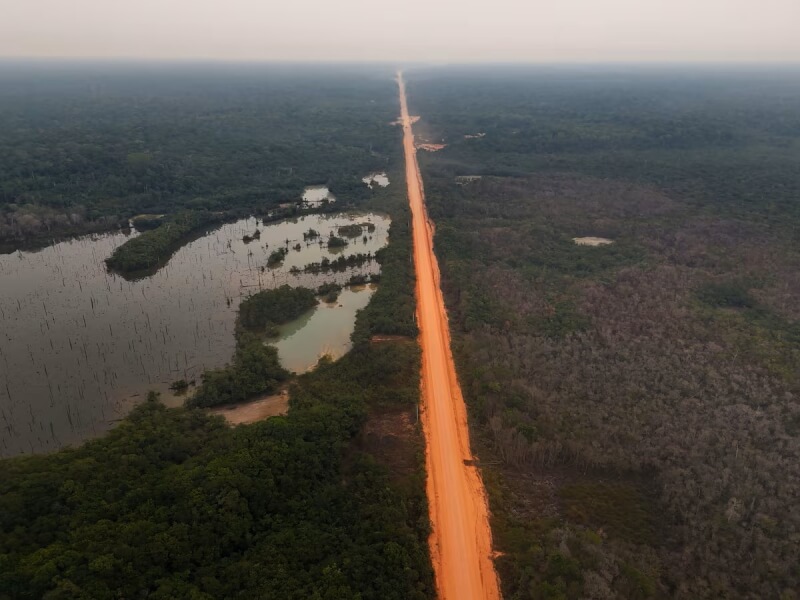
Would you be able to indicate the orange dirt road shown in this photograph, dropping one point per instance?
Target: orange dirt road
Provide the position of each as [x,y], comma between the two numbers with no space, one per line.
[461,541]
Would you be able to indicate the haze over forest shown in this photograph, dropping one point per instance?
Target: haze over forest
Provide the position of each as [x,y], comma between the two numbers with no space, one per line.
[416,30]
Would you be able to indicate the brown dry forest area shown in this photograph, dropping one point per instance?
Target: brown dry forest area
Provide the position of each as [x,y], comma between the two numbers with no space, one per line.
[636,405]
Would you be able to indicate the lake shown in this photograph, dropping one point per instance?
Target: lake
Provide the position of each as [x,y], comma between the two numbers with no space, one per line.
[79,346]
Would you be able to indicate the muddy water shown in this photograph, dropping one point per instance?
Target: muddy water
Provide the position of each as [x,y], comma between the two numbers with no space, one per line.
[325,330]
[79,346]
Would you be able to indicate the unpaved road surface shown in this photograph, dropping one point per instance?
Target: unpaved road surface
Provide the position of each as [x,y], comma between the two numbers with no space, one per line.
[461,542]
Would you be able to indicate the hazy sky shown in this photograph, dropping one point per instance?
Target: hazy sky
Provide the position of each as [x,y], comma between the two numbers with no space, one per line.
[435,30]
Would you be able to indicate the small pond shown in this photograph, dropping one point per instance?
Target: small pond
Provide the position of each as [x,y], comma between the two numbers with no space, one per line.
[325,330]
[317,195]
[379,179]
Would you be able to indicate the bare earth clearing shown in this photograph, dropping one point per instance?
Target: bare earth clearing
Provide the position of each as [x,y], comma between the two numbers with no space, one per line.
[592,241]
[257,410]
[431,147]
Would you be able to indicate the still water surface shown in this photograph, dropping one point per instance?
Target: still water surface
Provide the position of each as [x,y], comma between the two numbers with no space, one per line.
[316,195]
[80,346]
[325,330]
[379,179]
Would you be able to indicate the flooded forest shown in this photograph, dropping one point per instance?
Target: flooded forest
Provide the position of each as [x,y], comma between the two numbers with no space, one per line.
[82,345]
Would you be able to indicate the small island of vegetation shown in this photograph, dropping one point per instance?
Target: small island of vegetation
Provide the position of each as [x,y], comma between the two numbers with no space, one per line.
[262,312]
[276,257]
[353,230]
[156,245]
[342,263]
[336,242]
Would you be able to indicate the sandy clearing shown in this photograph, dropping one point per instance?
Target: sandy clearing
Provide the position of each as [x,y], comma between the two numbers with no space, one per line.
[592,241]
[431,147]
[257,410]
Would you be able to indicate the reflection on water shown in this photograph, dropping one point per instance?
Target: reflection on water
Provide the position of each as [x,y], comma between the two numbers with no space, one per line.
[323,330]
[80,346]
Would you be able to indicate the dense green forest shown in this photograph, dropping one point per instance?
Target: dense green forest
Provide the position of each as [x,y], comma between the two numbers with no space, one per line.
[173,504]
[327,502]
[635,405]
[85,147]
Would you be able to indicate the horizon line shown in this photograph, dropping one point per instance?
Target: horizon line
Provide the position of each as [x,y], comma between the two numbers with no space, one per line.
[399,63]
